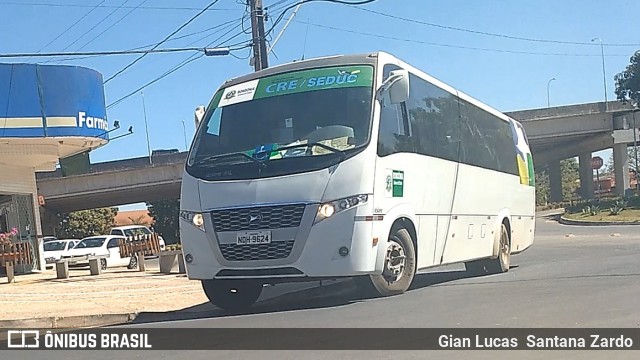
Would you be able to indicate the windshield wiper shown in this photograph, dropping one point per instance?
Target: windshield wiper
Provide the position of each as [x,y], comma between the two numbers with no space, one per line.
[342,154]
[229,156]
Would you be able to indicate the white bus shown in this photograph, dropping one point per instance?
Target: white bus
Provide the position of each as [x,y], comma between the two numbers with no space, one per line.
[350,166]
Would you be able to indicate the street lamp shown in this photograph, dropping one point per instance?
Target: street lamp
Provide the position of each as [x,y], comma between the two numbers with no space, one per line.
[146,126]
[604,75]
[216,51]
[635,149]
[184,132]
[549,83]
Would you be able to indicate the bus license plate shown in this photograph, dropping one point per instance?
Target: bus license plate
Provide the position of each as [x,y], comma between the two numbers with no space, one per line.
[253,237]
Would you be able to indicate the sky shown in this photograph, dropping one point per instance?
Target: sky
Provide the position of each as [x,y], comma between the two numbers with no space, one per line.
[502,53]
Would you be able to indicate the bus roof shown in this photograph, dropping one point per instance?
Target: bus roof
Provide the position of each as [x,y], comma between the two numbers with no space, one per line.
[354,59]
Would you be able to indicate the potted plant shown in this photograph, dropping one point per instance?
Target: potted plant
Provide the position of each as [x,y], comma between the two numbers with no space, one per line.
[5,239]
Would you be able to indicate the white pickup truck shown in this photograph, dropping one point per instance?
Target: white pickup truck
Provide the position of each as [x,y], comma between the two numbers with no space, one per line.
[133,230]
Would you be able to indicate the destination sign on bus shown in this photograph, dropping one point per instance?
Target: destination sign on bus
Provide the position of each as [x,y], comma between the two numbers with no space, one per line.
[299,81]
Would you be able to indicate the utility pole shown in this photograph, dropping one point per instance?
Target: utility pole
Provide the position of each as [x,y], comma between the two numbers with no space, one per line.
[260,56]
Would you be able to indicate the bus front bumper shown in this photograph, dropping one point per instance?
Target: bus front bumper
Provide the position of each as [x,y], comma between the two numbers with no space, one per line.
[334,248]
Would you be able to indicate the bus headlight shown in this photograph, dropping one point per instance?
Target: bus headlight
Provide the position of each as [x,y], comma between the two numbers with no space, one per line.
[194,218]
[328,209]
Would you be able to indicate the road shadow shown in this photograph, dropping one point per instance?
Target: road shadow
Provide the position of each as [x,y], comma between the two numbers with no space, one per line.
[551,217]
[321,297]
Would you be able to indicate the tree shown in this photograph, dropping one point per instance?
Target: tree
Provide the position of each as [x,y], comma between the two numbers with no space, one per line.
[165,214]
[570,175]
[80,224]
[632,158]
[542,188]
[628,82]
[608,167]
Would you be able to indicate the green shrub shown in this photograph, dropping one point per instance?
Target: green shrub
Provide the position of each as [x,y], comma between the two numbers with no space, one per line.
[618,207]
[591,210]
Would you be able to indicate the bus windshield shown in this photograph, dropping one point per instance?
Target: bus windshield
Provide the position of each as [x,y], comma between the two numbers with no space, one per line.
[278,120]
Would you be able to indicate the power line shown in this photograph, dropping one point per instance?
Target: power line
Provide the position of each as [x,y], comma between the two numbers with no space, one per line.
[281,16]
[110,6]
[203,31]
[276,4]
[163,41]
[245,15]
[114,24]
[448,45]
[184,63]
[231,28]
[167,73]
[103,53]
[550,41]
[219,27]
[90,29]
[222,25]
[93,8]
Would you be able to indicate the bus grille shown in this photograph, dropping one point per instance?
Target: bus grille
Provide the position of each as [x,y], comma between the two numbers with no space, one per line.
[274,250]
[264,217]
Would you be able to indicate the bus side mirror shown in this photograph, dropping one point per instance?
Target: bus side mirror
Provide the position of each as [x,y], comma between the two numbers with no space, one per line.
[199,114]
[398,86]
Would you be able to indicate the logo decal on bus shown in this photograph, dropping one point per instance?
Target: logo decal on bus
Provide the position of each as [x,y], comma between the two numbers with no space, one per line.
[394,183]
[230,95]
[523,155]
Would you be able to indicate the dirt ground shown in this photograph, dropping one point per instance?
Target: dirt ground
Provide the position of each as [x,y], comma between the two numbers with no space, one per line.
[115,291]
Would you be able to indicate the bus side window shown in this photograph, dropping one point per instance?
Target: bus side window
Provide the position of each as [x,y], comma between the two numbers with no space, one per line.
[391,134]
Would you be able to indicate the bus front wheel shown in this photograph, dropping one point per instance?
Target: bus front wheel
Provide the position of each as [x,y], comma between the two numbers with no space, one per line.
[232,295]
[399,267]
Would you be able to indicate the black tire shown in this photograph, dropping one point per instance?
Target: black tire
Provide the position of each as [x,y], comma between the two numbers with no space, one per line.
[498,265]
[390,283]
[232,295]
[103,264]
[133,263]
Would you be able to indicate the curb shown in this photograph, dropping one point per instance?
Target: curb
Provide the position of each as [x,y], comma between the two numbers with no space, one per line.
[565,221]
[83,321]
[551,212]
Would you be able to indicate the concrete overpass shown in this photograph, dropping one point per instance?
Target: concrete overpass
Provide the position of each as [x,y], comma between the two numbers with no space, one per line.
[579,130]
[114,183]
[554,134]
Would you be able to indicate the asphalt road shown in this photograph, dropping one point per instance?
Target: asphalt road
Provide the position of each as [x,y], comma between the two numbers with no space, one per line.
[571,277]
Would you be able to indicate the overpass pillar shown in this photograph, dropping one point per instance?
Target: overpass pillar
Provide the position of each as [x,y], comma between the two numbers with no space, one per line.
[621,167]
[555,181]
[586,176]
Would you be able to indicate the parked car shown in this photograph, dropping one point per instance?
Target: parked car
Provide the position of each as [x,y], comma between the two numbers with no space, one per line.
[133,230]
[53,250]
[101,245]
[46,239]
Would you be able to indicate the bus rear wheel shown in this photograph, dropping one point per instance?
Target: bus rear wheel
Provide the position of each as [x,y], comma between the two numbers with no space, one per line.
[494,266]
[232,295]
[399,267]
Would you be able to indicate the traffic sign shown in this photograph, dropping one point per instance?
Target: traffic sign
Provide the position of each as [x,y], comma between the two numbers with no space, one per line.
[596,162]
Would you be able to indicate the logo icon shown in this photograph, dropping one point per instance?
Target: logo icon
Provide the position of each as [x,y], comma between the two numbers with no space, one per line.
[23,339]
[230,95]
[255,217]
[389,183]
